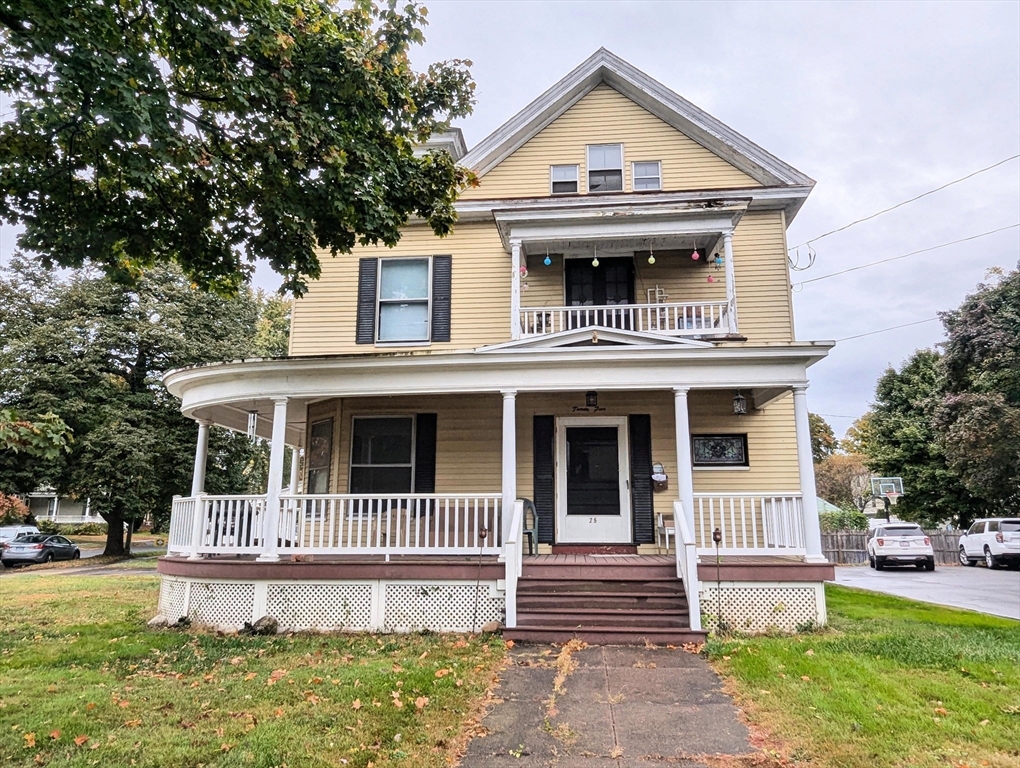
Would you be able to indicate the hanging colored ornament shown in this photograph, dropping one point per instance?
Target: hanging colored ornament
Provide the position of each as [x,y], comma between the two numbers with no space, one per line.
[595,261]
[547,261]
[694,254]
[524,271]
[711,278]
[651,255]
[718,260]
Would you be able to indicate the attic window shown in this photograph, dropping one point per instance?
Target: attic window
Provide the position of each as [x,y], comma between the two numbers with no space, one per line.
[605,167]
[563,179]
[647,176]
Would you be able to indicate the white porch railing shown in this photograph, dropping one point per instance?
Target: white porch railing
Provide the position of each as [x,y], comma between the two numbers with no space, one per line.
[750,523]
[514,561]
[687,564]
[423,524]
[683,319]
[182,515]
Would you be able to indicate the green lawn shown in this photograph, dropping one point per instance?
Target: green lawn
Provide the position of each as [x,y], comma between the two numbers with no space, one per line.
[891,682]
[84,683]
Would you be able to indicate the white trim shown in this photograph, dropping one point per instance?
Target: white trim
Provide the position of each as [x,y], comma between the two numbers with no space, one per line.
[605,67]
[614,335]
[696,468]
[625,534]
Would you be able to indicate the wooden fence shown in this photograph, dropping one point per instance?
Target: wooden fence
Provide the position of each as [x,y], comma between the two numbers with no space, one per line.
[850,547]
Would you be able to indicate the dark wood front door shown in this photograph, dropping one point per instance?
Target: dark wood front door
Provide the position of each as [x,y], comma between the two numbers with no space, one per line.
[610,284]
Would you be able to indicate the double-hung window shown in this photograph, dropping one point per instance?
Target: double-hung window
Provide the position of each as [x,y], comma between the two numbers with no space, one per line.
[563,179]
[382,454]
[404,300]
[647,175]
[605,167]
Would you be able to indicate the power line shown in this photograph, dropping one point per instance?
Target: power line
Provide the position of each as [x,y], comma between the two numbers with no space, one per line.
[912,253]
[905,202]
[891,328]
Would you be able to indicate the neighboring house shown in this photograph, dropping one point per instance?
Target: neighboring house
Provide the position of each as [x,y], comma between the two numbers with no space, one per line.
[824,506]
[47,504]
[608,334]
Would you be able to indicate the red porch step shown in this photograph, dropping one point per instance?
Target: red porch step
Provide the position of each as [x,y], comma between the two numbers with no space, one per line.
[618,601]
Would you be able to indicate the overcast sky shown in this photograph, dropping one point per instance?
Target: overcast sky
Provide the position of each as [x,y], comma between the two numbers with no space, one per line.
[877,102]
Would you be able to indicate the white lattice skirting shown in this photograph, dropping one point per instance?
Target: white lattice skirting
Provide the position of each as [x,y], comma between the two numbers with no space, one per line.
[326,606]
[760,606]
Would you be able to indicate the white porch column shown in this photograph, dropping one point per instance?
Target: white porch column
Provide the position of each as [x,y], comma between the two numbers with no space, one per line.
[271,520]
[731,283]
[201,452]
[805,461]
[295,462]
[509,457]
[515,290]
[684,464]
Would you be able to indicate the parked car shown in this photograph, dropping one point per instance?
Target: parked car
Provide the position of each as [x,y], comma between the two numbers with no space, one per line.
[900,544]
[9,532]
[37,548]
[995,540]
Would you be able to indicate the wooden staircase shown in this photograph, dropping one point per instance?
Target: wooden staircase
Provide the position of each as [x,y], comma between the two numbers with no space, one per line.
[609,601]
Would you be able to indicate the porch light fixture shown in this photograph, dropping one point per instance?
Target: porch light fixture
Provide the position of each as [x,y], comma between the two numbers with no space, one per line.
[591,399]
[739,404]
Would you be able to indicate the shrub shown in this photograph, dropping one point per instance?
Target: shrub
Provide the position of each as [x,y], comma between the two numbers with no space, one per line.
[83,529]
[843,520]
[47,526]
[12,510]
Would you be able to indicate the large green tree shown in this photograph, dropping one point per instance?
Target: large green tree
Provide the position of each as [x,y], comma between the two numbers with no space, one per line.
[213,134]
[979,416]
[93,352]
[823,440]
[902,440]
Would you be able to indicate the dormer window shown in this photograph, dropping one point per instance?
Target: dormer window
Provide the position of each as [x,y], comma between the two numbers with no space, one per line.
[605,167]
[647,175]
[563,179]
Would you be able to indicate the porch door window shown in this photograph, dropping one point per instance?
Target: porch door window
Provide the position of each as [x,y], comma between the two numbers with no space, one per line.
[382,454]
[593,471]
[320,453]
[609,284]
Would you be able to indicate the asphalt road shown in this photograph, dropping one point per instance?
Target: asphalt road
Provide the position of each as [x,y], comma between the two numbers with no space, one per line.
[143,546]
[977,589]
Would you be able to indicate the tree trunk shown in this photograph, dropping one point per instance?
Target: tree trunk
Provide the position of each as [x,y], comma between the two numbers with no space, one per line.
[127,544]
[114,533]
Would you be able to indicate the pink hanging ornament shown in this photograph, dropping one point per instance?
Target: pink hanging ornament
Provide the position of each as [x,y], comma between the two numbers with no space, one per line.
[695,255]
[711,279]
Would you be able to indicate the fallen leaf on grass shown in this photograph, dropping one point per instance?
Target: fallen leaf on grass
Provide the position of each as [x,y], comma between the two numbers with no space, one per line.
[132,723]
[941,711]
[90,706]
[460,644]
[251,676]
[398,703]
[276,675]
[226,747]
[421,702]
[237,660]
[29,740]
[311,698]
[123,703]
[55,734]
[315,680]
[509,643]
[79,740]
[443,672]
[278,712]
[356,705]
[805,678]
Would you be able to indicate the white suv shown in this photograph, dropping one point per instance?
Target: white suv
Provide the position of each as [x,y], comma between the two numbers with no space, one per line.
[11,532]
[900,544]
[995,540]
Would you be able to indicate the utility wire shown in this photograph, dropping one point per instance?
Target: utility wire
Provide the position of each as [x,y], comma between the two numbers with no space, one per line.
[891,328]
[905,202]
[903,256]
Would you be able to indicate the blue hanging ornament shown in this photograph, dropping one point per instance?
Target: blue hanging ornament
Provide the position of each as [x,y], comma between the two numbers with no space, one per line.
[547,261]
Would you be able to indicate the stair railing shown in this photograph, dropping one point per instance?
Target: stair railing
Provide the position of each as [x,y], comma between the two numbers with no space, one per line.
[687,564]
[514,561]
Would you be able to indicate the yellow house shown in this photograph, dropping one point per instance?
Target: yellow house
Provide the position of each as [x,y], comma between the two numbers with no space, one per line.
[582,413]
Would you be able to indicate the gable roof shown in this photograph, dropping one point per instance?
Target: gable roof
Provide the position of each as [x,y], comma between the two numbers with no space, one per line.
[592,336]
[606,67]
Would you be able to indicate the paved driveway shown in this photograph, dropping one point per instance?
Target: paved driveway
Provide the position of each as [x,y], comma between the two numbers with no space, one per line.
[978,589]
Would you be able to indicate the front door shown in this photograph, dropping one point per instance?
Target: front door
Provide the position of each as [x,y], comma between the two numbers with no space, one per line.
[593,481]
[610,284]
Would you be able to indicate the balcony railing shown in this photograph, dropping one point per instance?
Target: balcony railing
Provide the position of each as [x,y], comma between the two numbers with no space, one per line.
[339,524]
[678,319]
[750,523]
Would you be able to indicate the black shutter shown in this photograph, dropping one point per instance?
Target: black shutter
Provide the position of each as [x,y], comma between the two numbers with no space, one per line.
[641,478]
[368,269]
[425,453]
[442,276]
[544,465]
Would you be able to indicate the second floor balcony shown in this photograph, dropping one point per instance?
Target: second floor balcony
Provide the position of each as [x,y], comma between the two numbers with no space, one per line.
[648,269]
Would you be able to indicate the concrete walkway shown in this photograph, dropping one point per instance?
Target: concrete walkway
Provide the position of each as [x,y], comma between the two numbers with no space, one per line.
[607,707]
[978,589]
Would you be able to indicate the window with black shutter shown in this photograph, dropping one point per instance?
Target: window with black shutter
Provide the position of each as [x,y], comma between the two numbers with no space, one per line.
[404,300]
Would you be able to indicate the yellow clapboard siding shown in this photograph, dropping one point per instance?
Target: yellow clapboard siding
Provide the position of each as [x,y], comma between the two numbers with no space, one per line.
[469,443]
[604,116]
[324,319]
[762,277]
